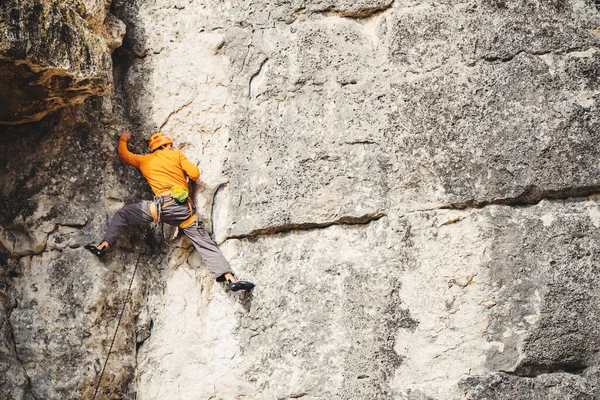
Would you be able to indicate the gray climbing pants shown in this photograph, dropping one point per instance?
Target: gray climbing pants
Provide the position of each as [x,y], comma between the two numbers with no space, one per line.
[172,214]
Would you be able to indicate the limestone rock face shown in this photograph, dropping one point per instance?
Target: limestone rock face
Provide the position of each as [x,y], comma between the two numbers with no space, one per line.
[412,185]
[53,54]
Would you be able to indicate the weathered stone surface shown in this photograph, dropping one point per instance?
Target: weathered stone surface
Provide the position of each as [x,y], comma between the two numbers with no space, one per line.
[52,54]
[403,112]
[553,386]
[334,138]
[353,9]
[65,303]
[14,382]
[406,310]
[322,326]
[519,299]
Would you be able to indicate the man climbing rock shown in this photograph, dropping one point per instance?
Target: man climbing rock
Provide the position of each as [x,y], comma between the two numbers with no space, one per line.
[165,169]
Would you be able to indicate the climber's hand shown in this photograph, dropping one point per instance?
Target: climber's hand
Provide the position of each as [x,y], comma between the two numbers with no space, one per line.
[126,134]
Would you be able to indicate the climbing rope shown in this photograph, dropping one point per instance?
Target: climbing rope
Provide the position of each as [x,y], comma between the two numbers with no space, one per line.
[97,388]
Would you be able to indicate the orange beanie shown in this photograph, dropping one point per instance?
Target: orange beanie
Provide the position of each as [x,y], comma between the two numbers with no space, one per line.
[158,139]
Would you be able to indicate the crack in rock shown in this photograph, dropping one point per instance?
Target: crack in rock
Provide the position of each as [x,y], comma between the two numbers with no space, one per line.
[360,142]
[7,330]
[304,226]
[359,14]
[535,370]
[298,395]
[510,57]
[219,188]
[452,221]
[188,103]
[530,196]
[257,78]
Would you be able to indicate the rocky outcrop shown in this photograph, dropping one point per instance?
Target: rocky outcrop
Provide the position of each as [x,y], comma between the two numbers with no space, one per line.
[54,54]
[411,184]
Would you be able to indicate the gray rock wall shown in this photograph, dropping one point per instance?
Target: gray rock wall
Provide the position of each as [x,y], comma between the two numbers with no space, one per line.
[411,184]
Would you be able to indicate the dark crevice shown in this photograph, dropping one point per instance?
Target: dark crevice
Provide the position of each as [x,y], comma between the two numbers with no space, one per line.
[128,53]
[578,49]
[511,56]
[351,82]
[535,53]
[255,75]
[147,335]
[533,370]
[29,385]
[11,338]
[361,142]
[530,196]
[298,395]
[212,206]
[273,230]
[360,14]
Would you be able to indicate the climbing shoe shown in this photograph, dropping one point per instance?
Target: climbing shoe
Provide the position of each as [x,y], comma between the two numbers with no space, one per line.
[95,250]
[240,285]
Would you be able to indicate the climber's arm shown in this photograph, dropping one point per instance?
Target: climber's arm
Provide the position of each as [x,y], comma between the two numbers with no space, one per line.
[190,169]
[124,153]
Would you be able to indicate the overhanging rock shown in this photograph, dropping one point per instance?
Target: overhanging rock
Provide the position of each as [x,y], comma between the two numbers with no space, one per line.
[54,54]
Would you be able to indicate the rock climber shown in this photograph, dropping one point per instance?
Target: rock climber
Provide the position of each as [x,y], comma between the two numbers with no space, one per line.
[166,169]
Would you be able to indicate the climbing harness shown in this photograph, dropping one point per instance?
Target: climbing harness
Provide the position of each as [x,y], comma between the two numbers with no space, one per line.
[193,218]
[97,387]
[161,201]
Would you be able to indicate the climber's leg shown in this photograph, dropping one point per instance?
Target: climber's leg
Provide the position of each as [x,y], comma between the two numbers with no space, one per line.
[133,214]
[209,251]
[213,258]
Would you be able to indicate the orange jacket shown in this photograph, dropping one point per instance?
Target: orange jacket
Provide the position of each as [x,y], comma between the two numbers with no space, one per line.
[163,169]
